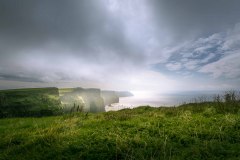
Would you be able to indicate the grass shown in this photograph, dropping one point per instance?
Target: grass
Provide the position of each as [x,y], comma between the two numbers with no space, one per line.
[208,130]
[29,102]
[62,91]
[39,102]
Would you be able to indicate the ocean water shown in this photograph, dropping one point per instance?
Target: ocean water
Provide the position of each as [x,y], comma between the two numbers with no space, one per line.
[158,99]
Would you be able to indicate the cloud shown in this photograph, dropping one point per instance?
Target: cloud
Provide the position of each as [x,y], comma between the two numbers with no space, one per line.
[62,40]
[174,66]
[227,67]
[232,39]
[192,55]
[93,43]
[86,28]
[193,18]
[217,55]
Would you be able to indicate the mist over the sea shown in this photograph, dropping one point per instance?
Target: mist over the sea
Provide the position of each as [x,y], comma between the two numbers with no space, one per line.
[163,99]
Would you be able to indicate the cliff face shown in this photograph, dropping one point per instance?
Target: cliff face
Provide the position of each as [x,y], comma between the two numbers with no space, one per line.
[89,100]
[109,97]
[94,102]
[79,99]
[51,101]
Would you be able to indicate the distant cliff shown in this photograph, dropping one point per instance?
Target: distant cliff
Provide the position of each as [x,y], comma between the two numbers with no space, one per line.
[80,99]
[51,101]
[109,97]
[89,100]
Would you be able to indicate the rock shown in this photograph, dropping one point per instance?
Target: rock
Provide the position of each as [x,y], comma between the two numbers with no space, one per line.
[109,97]
[80,99]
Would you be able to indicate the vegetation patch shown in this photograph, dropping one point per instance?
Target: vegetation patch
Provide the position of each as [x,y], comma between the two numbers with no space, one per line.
[29,102]
[191,131]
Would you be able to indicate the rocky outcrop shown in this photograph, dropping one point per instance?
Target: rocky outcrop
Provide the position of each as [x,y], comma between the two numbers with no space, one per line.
[109,97]
[52,101]
[89,100]
[80,99]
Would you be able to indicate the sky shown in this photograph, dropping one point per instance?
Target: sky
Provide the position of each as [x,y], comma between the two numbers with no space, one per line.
[136,45]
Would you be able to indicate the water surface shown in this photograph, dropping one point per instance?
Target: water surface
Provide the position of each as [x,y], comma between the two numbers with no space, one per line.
[158,99]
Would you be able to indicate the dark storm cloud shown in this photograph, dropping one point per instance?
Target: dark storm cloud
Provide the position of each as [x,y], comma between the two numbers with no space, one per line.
[19,78]
[112,42]
[192,18]
[52,31]
[83,25]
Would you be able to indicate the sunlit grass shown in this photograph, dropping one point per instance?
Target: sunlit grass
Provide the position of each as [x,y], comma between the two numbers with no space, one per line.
[191,131]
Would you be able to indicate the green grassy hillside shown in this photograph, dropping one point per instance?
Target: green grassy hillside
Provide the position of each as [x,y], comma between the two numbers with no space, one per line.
[29,102]
[52,101]
[191,131]
[63,91]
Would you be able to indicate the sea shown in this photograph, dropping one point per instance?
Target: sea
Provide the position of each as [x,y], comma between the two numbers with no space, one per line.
[162,100]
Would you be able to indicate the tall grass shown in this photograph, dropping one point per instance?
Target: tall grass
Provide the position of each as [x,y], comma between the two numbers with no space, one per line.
[203,130]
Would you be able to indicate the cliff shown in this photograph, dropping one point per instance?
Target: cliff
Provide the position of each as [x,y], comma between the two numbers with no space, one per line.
[109,97]
[51,101]
[80,99]
[89,100]
[29,102]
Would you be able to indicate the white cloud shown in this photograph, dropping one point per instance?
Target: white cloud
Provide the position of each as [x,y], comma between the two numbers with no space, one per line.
[232,39]
[174,66]
[217,54]
[191,65]
[227,67]
[208,58]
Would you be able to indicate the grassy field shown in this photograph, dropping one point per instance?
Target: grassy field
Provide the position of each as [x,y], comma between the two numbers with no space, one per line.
[29,102]
[62,91]
[209,130]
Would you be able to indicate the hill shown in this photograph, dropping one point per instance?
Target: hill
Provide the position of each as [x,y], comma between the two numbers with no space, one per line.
[53,101]
[29,102]
[208,130]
